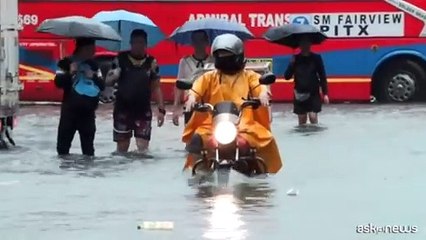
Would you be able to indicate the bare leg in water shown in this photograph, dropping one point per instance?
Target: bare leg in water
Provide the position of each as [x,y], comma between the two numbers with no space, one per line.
[142,145]
[313,118]
[123,145]
[303,119]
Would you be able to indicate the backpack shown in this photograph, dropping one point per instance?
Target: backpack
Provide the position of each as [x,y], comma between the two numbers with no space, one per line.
[84,94]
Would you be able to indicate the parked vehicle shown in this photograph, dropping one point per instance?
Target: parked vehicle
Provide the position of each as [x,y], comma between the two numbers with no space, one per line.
[376,47]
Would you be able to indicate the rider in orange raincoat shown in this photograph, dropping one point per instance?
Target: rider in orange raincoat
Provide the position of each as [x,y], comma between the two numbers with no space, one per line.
[231,82]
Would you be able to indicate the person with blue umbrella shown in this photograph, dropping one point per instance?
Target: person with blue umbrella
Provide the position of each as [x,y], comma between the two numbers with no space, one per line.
[124,22]
[212,26]
[190,68]
[137,77]
[200,33]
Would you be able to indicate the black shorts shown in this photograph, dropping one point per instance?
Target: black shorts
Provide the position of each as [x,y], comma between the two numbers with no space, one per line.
[312,104]
[128,124]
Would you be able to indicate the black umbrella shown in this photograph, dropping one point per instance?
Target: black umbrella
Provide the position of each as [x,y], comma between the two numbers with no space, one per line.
[290,34]
[78,27]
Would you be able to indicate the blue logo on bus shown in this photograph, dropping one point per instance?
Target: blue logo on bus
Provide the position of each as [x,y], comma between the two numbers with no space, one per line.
[301,20]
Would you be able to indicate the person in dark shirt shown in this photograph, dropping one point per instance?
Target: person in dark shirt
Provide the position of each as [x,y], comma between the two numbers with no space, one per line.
[308,71]
[81,80]
[137,77]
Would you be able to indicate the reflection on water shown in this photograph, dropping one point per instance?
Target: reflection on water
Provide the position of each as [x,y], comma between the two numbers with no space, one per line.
[226,208]
[253,195]
[82,162]
[207,191]
[105,198]
[74,161]
[309,129]
[225,220]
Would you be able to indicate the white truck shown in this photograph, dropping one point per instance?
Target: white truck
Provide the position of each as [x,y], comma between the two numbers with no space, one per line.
[10,86]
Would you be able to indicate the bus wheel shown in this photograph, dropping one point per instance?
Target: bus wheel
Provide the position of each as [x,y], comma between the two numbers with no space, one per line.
[400,81]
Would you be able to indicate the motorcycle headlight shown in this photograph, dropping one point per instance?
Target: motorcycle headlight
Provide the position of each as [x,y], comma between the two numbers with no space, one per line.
[225,132]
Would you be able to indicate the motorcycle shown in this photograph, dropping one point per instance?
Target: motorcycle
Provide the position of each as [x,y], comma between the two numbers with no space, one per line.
[226,117]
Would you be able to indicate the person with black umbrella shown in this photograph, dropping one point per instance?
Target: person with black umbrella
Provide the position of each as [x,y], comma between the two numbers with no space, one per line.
[81,80]
[307,68]
[309,74]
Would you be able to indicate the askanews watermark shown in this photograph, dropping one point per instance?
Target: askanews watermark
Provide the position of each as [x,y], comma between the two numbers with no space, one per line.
[387,229]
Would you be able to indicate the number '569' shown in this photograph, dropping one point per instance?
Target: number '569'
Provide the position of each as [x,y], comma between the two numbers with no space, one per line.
[27,19]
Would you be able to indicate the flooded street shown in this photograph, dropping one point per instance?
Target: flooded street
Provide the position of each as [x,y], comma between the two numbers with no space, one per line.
[366,164]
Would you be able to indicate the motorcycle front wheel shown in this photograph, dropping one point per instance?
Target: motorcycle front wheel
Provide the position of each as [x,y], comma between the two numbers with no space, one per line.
[204,165]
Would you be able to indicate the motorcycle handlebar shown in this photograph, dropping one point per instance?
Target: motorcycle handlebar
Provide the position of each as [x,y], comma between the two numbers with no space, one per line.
[253,102]
[206,107]
[203,107]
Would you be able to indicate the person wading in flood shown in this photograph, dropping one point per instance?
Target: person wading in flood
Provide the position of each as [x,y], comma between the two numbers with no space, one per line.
[137,78]
[80,78]
[190,68]
[309,78]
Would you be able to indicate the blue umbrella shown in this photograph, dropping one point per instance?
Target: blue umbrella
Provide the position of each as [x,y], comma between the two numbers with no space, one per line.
[213,28]
[124,22]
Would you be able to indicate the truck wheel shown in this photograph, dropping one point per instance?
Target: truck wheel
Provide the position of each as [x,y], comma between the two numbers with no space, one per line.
[400,81]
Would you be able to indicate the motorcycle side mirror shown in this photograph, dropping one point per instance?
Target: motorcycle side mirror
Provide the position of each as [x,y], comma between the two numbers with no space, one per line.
[183,85]
[267,79]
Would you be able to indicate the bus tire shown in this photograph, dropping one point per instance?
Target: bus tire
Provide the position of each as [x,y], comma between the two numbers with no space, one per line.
[400,81]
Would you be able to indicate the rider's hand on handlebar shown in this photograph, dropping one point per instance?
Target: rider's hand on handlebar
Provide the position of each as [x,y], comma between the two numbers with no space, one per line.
[190,103]
[264,98]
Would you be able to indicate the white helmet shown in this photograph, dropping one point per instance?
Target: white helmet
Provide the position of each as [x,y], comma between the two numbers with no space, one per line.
[228,42]
[229,64]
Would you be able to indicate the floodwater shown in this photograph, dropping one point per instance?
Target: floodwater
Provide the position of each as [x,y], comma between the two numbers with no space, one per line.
[364,165]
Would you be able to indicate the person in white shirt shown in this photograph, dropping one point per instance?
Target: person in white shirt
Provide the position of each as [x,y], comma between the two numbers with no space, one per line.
[191,67]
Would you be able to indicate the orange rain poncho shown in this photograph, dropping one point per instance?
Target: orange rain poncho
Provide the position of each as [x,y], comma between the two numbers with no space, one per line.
[214,87]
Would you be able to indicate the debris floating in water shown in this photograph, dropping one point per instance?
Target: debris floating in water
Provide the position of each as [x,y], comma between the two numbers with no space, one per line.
[6,183]
[293,192]
[256,198]
[156,225]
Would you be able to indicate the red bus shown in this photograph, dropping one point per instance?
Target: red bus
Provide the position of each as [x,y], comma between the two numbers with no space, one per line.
[376,47]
